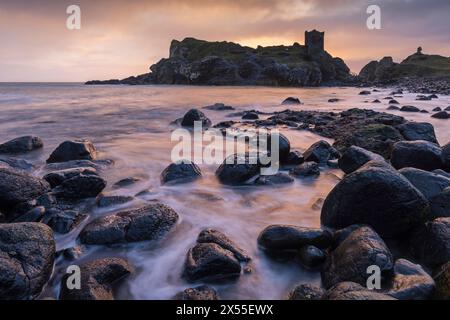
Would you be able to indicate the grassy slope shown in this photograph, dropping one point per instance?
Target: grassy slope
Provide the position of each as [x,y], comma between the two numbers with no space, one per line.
[424,65]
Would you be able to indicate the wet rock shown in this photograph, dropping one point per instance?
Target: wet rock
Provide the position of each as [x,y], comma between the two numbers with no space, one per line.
[353,291]
[219,107]
[294,158]
[71,254]
[147,223]
[445,157]
[410,282]
[17,188]
[416,154]
[291,100]
[350,260]
[193,116]
[447,109]
[409,109]
[238,169]
[34,215]
[21,145]
[311,256]
[424,111]
[442,280]
[306,292]
[441,115]
[355,157]
[442,173]
[428,183]
[210,262]
[431,242]
[97,279]
[127,182]
[393,101]
[80,186]
[64,221]
[437,109]
[182,172]
[376,101]
[284,146]
[278,238]
[27,252]
[333,100]
[393,108]
[365,92]
[201,293]
[2,218]
[56,178]
[104,201]
[340,235]
[217,237]
[250,116]
[321,152]
[73,164]
[73,150]
[279,178]
[440,204]
[413,131]
[378,196]
[306,170]
[14,163]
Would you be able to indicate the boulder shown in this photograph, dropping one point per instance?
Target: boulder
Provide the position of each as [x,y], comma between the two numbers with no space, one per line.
[437,109]
[18,187]
[410,282]
[271,180]
[195,115]
[349,261]
[355,157]
[294,158]
[378,196]
[306,170]
[416,154]
[56,178]
[217,237]
[320,152]
[445,156]
[393,108]
[78,185]
[21,145]
[97,279]
[64,221]
[126,182]
[219,107]
[428,183]
[14,163]
[365,93]
[441,115]
[413,131]
[409,109]
[209,262]
[73,150]
[34,215]
[182,172]
[306,292]
[276,238]
[311,256]
[201,293]
[440,204]
[353,291]
[291,100]
[249,115]
[238,169]
[284,146]
[393,101]
[431,242]
[27,252]
[150,222]
[442,280]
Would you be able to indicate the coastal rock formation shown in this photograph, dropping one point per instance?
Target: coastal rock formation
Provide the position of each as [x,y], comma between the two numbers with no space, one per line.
[238,169]
[21,145]
[182,172]
[355,157]
[416,154]
[73,150]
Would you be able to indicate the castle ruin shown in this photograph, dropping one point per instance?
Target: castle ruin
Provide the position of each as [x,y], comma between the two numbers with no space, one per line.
[314,41]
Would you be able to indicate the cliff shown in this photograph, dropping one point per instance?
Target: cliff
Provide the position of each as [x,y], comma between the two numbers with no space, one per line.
[198,62]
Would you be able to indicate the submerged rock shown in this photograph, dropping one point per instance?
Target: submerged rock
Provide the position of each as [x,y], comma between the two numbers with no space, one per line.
[182,172]
[353,291]
[294,158]
[306,292]
[409,109]
[305,170]
[350,260]
[441,115]
[378,196]
[416,154]
[126,182]
[193,116]
[219,107]
[201,293]
[276,179]
[291,100]
[320,152]
[73,150]
[27,252]
[104,200]
[410,282]
[147,223]
[21,145]
[64,221]
[97,278]
[238,169]
[355,157]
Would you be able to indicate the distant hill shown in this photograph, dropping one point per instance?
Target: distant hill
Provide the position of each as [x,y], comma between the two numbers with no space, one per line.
[199,62]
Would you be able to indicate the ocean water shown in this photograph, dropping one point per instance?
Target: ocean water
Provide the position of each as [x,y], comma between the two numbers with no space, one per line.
[132,126]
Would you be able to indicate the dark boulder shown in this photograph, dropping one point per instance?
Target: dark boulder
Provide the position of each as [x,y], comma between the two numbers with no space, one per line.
[413,131]
[409,109]
[219,107]
[393,101]
[147,223]
[271,180]
[217,237]
[73,150]
[365,93]
[195,115]
[294,158]
[126,182]
[18,187]
[437,109]
[15,163]
[311,256]
[445,157]
[306,170]
[182,172]
[393,108]
[27,252]
[97,279]
[378,196]
[238,169]
[410,282]
[431,242]
[34,215]
[355,157]
[201,293]
[441,115]
[210,262]
[428,183]
[321,152]
[349,261]
[440,204]
[306,292]
[284,146]
[56,178]
[64,221]
[416,154]
[442,280]
[80,186]
[353,291]
[21,145]
[249,115]
[291,100]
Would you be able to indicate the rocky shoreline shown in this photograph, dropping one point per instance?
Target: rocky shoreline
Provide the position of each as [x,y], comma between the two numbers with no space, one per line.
[391,209]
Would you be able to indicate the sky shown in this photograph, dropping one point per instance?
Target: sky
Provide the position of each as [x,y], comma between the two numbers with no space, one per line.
[122,38]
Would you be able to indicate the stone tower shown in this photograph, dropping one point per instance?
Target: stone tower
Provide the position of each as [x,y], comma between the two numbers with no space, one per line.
[314,41]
